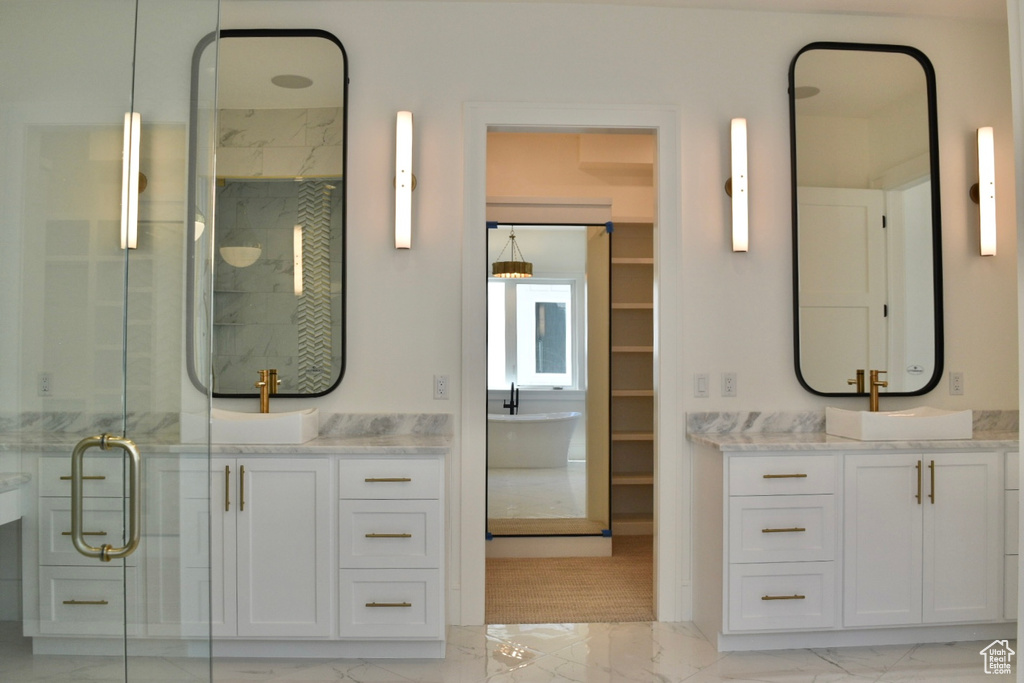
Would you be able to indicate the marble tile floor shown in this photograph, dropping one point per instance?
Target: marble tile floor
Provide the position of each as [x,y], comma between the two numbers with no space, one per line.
[541,492]
[588,653]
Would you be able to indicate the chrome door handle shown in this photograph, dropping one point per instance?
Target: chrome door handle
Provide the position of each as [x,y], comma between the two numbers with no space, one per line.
[106,552]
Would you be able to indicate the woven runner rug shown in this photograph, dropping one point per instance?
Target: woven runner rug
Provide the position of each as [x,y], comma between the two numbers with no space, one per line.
[574,590]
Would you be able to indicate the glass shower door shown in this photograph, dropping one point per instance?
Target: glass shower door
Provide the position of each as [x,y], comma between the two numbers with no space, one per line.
[94,112]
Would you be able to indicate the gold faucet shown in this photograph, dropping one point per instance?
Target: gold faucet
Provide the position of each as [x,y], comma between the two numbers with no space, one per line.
[859,381]
[875,383]
[267,385]
[264,386]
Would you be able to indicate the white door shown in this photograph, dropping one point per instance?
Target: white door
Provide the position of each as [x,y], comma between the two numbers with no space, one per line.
[283,553]
[842,288]
[963,537]
[882,540]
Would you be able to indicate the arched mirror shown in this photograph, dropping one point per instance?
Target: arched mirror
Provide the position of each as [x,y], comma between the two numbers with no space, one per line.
[275,269]
[867,267]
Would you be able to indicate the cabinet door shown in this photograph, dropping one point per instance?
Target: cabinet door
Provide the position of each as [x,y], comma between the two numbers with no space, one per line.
[882,540]
[223,506]
[283,553]
[963,537]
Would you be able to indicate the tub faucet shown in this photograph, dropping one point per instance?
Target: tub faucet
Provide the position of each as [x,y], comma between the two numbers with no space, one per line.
[513,401]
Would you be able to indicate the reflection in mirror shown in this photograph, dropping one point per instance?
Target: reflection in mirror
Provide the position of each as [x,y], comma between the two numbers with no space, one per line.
[275,262]
[866,225]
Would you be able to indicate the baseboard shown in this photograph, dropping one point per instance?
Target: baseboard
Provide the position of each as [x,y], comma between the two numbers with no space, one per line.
[549,546]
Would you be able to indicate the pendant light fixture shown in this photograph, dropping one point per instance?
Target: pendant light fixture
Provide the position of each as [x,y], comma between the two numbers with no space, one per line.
[512,268]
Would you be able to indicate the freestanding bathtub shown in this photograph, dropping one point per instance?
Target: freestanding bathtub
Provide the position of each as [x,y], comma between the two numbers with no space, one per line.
[530,440]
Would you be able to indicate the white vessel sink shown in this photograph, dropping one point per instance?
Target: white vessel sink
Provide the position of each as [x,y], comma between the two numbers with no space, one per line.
[900,425]
[231,426]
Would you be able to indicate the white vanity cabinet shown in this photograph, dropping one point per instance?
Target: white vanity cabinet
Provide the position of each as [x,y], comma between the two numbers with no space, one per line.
[922,538]
[1011,542]
[79,595]
[818,546]
[781,547]
[270,533]
[391,545]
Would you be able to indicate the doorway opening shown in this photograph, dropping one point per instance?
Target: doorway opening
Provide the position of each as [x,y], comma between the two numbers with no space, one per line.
[577,500]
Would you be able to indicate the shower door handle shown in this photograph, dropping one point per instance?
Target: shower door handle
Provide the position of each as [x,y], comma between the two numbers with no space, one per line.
[106,552]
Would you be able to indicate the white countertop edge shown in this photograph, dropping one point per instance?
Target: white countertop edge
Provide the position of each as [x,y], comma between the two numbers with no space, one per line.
[819,441]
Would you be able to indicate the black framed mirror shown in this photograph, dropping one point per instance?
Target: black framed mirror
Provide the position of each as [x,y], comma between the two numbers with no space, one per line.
[867,258]
[274,266]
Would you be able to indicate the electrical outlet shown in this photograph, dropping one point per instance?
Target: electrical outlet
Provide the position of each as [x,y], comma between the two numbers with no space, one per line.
[45,387]
[700,385]
[728,384]
[956,384]
[441,387]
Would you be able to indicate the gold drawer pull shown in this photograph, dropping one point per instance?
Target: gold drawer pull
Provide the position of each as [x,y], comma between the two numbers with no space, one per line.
[783,597]
[785,476]
[86,533]
[783,531]
[389,604]
[389,535]
[86,602]
[379,480]
[94,477]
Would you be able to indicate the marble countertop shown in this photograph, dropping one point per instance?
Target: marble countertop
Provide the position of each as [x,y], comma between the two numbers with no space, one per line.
[819,441]
[403,444]
[12,480]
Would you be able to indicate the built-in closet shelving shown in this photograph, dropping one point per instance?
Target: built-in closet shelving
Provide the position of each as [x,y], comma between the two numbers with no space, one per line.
[632,379]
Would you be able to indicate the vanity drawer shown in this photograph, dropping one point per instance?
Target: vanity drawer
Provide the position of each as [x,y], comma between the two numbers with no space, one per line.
[1010,564]
[103,523]
[87,600]
[389,533]
[781,528]
[390,478]
[781,596]
[103,474]
[390,603]
[782,475]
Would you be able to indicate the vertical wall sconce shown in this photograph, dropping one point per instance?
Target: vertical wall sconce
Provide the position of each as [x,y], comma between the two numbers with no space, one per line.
[739,185]
[404,181]
[130,181]
[297,259]
[984,192]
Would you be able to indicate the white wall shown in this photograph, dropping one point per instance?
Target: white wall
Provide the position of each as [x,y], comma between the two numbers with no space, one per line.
[404,307]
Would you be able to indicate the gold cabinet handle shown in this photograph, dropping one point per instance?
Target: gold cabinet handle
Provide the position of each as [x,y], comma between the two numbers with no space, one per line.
[785,476]
[241,488]
[86,602]
[86,533]
[106,552]
[783,597]
[382,480]
[931,471]
[783,531]
[227,488]
[389,604]
[91,477]
[918,482]
[389,535]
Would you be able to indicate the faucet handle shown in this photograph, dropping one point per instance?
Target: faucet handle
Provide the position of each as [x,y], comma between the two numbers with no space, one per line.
[272,381]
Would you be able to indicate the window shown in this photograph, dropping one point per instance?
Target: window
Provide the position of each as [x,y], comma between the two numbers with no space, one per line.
[531,333]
